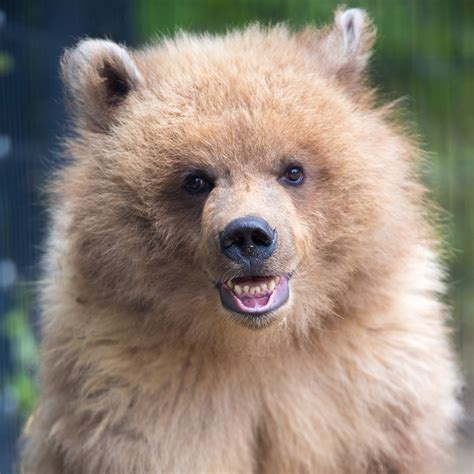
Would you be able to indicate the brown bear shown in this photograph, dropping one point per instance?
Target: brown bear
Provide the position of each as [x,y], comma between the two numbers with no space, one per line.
[242,272]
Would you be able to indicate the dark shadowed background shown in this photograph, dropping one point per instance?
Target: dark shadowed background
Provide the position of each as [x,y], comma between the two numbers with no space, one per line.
[424,53]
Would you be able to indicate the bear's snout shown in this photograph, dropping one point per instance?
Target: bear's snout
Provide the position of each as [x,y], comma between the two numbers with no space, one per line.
[248,239]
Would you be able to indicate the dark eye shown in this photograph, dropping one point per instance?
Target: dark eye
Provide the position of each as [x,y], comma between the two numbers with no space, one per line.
[198,184]
[294,176]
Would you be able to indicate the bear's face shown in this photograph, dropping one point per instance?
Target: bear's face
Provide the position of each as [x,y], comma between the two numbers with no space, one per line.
[241,176]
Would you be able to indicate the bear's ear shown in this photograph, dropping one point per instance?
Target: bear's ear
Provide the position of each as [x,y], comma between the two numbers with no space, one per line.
[98,76]
[343,49]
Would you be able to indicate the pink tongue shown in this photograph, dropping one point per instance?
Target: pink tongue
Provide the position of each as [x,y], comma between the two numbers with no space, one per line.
[253,302]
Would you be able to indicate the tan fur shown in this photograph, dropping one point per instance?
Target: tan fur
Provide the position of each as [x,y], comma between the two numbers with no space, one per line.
[143,370]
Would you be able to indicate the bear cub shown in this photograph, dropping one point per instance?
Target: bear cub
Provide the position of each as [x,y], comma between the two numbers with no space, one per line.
[242,272]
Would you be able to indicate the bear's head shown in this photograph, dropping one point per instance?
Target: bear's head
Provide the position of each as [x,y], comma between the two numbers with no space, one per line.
[243,178]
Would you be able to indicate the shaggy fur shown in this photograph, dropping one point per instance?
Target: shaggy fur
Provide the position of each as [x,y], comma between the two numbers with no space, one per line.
[142,369]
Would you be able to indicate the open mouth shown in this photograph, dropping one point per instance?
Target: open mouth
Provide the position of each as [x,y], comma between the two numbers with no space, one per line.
[254,295]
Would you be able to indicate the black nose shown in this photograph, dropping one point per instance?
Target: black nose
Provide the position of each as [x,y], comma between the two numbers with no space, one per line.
[248,239]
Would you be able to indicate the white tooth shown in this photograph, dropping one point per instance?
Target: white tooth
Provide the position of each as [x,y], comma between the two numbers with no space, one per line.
[271,285]
[238,289]
[246,289]
[230,284]
[257,290]
[264,287]
[252,290]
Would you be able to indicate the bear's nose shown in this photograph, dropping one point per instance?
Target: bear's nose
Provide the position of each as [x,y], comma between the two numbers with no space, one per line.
[248,239]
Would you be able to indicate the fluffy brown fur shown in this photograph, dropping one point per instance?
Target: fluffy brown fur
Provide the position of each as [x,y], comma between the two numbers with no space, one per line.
[143,370]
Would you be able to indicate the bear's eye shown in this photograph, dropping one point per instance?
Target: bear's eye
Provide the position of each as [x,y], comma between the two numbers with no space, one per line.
[198,184]
[293,175]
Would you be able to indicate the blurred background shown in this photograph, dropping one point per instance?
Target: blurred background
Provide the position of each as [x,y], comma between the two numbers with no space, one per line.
[424,53]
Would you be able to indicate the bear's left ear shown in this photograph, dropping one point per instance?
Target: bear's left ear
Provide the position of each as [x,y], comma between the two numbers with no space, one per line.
[342,49]
[98,75]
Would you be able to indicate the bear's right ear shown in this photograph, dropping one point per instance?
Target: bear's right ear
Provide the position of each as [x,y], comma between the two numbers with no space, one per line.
[98,76]
[342,50]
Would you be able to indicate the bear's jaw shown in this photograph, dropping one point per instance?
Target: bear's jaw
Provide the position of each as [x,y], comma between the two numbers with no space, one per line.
[254,296]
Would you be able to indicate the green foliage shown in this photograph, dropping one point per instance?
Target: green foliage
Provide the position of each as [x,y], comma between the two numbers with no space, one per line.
[21,386]
[6,63]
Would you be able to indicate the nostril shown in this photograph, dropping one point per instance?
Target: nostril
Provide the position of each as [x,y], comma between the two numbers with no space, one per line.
[260,237]
[233,239]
